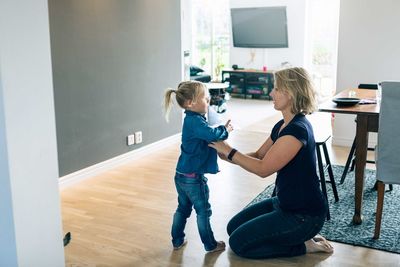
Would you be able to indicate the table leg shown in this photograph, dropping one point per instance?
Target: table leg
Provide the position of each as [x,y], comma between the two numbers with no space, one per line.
[361,157]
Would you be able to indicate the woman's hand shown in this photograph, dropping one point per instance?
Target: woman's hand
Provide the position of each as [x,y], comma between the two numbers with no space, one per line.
[222,147]
[223,156]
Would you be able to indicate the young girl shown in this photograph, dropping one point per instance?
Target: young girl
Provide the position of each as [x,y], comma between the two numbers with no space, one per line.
[196,159]
[287,224]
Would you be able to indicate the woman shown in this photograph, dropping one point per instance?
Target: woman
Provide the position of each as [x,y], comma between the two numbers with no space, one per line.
[286,224]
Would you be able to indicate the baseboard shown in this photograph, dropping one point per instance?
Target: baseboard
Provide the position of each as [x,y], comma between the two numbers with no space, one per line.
[349,142]
[106,165]
[336,141]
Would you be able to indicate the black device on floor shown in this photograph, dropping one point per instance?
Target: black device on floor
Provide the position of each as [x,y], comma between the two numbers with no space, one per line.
[67,238]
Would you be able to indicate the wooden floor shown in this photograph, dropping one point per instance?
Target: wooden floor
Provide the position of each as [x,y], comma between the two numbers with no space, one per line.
[123,216]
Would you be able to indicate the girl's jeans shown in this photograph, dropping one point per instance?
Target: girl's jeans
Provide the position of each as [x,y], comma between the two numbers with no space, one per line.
[193,192]
[263,230]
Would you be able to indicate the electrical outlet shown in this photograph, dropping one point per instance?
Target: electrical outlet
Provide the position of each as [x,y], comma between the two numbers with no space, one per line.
[130,139]
[138,137]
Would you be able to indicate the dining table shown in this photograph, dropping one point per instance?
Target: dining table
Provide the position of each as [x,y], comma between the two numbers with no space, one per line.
[367,120]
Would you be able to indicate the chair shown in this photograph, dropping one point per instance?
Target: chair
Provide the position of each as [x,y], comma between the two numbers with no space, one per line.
[373,86]
[352,153]
[321,143]
[322,133]
[388,160]
[198,74]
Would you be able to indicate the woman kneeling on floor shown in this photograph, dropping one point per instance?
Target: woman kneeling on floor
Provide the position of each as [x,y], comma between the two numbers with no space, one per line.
[288,223]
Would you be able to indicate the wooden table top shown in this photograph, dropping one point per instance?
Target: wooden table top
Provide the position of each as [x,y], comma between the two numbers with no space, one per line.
[369,94]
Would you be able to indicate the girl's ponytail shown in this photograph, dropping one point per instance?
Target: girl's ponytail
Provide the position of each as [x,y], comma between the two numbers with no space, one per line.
[168,102]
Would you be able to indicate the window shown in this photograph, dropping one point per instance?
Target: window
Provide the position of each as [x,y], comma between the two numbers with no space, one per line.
[324,26]
[211,35]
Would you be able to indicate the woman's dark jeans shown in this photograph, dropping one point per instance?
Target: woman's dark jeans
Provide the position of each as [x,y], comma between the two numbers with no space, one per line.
[193,192]
[263,230]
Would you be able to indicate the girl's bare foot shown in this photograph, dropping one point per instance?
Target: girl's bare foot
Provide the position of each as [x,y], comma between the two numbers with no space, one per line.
[318,244]
[220,246]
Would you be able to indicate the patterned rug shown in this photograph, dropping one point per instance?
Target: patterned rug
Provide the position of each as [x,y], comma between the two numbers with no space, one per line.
[340,229]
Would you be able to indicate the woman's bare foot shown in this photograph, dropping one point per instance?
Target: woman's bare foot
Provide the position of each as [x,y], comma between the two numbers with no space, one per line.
[220,246]
[318,244]
[318,237]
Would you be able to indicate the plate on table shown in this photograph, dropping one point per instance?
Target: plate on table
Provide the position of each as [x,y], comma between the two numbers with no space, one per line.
[346,101]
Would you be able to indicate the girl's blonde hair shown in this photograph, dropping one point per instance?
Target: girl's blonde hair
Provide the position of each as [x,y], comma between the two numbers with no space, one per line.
[187,91]
[297,83]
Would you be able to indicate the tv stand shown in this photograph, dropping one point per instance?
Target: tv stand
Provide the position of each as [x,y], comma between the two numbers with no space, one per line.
[249,83]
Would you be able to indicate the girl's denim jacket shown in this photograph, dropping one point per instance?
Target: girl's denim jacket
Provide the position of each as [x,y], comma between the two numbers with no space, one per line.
[196,156]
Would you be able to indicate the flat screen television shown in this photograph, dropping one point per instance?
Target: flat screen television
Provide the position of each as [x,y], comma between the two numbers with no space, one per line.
[260,27]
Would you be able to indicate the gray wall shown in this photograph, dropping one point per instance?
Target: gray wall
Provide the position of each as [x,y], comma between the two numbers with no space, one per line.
[112,60]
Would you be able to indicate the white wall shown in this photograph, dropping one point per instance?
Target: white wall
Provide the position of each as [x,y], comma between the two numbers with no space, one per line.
[30,216]
[273,57]
[368,52]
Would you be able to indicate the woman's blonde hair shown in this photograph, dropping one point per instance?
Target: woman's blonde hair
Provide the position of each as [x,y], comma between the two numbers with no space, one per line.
[297,83]
[187,91]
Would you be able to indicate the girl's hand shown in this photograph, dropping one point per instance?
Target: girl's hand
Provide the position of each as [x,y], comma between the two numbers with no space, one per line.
[222,147]
[229,126]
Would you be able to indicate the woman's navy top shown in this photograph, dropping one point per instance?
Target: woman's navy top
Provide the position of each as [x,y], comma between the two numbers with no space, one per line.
[297,184]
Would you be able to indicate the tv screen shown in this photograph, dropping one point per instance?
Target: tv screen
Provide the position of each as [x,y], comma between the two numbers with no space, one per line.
[260,27]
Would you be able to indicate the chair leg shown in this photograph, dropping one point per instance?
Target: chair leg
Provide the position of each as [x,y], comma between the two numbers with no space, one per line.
[330,172]
[349,161]
[353,164]
[376,187]
[322,179]
[379,209]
